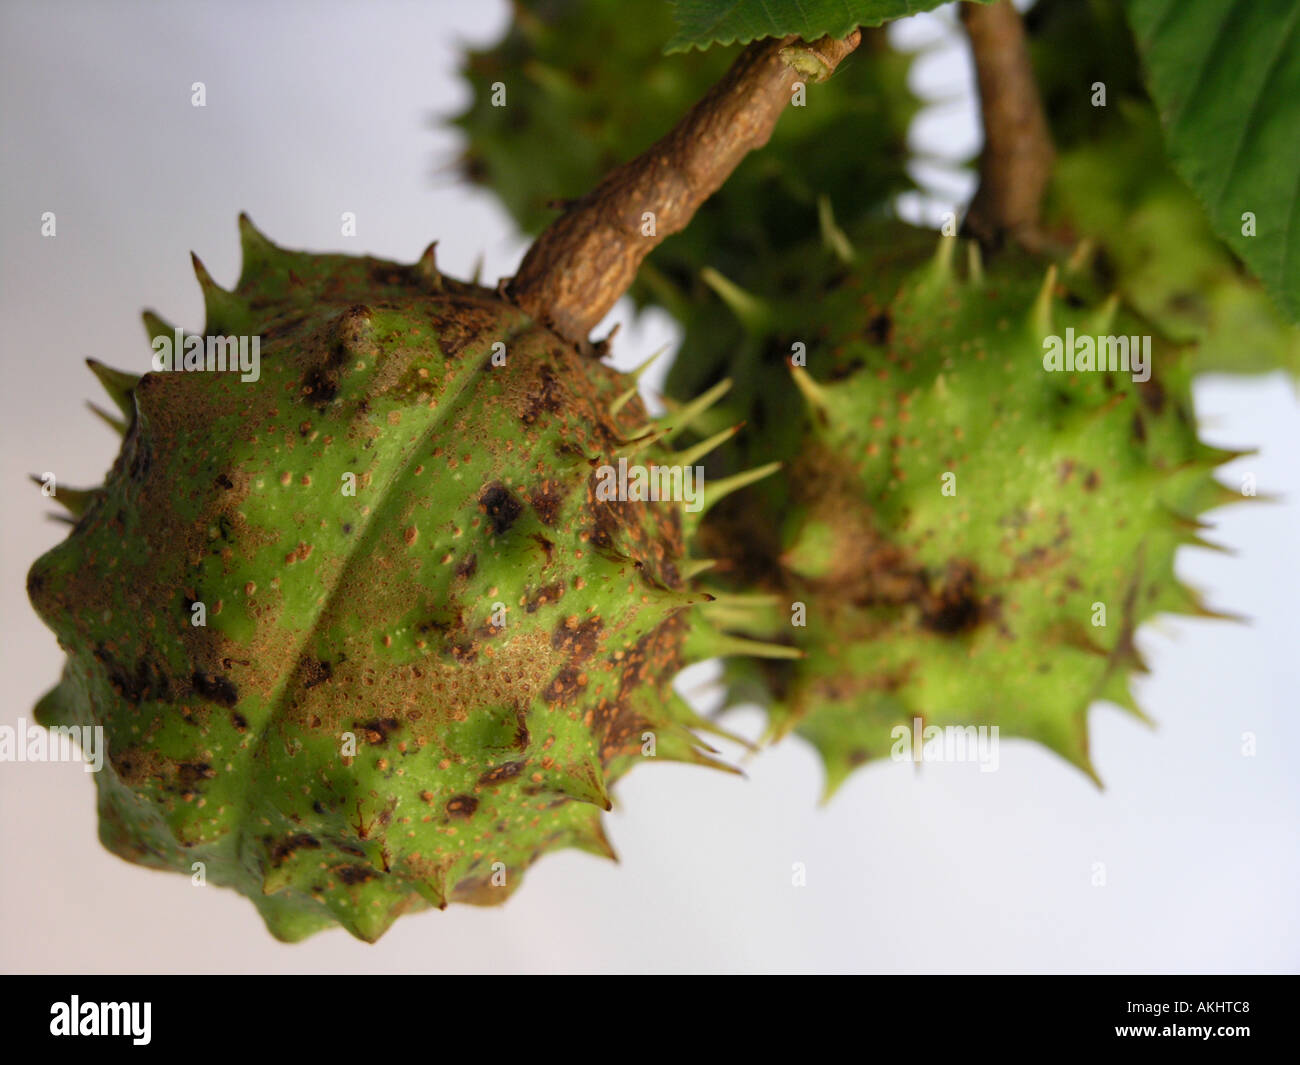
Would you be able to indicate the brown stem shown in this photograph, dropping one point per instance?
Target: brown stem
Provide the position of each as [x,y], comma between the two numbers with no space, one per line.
[586,259]
[1017,159]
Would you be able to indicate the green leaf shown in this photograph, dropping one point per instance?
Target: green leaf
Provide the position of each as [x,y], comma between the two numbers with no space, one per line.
[1226,79]
[701,23]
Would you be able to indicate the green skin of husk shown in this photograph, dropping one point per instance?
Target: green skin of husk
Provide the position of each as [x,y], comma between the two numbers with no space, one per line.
[974,607]
[475,748]
[1153,244]
[873,665]
[1114,186]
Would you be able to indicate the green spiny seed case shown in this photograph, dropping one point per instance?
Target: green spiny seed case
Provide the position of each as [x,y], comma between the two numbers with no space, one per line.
[973,535]
[1139,230]
[1148,239]
[362,634]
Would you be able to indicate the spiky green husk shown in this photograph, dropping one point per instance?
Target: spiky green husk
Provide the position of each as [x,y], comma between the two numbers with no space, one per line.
[583,95]
[1150,240]
[353,734]
[980,605]
[1146,234]
[918,606]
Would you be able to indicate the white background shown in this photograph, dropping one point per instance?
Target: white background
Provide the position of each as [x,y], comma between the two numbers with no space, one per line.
[319,108]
